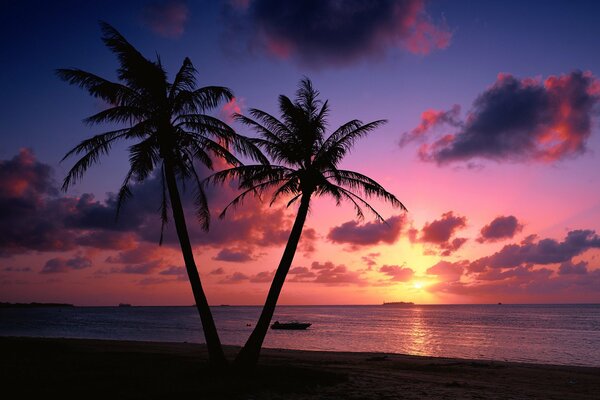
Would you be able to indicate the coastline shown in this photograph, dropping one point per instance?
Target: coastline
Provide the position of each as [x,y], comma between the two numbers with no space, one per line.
[70,368]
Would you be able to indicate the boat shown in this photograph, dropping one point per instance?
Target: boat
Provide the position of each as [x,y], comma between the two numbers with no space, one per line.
[124,305]
[399,303]
[290,325]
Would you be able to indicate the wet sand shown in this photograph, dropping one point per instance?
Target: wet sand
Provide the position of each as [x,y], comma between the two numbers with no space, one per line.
[100,369]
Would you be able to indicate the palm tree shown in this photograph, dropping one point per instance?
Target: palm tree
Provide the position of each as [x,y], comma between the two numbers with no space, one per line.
[168,123]
[305,163]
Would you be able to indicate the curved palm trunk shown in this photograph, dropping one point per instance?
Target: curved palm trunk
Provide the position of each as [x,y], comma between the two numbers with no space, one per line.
[248,356]
[216,357]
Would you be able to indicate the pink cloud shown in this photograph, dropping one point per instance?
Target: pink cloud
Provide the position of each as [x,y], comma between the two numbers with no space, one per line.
[523,120]
[397,273]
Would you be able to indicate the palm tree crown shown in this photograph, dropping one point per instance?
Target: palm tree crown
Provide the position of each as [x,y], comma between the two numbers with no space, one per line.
[305,161]
[167,120]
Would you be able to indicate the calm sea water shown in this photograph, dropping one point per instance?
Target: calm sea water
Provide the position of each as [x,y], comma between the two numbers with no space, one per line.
[553,334]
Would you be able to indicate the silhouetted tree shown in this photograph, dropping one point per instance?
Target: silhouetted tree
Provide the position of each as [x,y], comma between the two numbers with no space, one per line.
[305,163]
[168,123]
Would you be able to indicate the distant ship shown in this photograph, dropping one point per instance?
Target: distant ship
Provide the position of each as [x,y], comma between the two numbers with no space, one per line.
[124,305]
[399,303]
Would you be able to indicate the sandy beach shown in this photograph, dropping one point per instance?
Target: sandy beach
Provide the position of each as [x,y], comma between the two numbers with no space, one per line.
[70,368]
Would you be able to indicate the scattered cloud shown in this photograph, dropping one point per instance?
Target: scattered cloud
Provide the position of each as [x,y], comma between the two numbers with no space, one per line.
[542,252]
[370,260]
[500,228]
[522,120]
[60,264]
[320,33]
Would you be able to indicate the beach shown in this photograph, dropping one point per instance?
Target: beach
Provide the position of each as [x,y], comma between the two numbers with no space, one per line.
[102,369]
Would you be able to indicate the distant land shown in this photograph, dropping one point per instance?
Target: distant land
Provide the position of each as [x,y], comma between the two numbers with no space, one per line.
[32,305]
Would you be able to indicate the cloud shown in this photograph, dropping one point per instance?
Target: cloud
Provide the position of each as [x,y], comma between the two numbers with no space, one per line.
[262,277]
[543,252]
[332,33]
[218,271]
[301,274]
[236,277]
[167,18]
[568,268]
[525,284]
[440,232]
[234,255]
[369,260]
[499,229]
[448,271]
[397,273]
[178,272]
[233,106]
[523,120]
[368,234]
[60,264]
[142,269]
[429,120]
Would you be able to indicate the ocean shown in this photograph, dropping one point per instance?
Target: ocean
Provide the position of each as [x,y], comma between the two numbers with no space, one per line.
[547,334]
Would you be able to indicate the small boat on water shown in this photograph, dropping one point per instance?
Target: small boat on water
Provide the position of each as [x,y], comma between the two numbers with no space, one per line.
[290,325]
[124,305]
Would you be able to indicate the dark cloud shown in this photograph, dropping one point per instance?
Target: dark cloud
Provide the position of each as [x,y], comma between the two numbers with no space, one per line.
[397,273]
[439,233]
[145,268]
[368,234]
[60,264]
[166,18]
[329,32]
[236,277]
[524,120]
[567,268]
[178,272]
[543,252]
[30,212]
[500,228]
[234,255]
[35,217]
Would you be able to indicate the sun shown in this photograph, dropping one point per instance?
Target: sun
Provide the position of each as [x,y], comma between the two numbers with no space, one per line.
[418,285]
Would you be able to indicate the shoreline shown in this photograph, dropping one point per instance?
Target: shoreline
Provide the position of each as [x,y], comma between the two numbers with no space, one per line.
[94,368]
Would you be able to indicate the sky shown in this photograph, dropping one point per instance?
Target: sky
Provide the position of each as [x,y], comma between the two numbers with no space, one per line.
[492,143]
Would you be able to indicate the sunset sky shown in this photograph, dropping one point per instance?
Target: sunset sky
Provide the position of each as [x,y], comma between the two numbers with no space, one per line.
[492,143]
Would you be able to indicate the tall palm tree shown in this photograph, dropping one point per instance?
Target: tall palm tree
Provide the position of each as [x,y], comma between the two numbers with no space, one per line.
[168,123]
[305,164]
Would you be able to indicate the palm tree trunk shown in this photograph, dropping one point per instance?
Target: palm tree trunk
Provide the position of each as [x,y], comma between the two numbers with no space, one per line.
[216,357]
[248,356]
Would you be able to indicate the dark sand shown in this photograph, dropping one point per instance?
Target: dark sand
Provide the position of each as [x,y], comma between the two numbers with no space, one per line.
[73,368]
